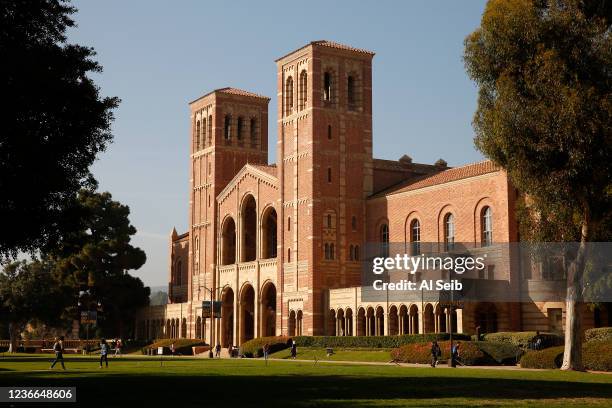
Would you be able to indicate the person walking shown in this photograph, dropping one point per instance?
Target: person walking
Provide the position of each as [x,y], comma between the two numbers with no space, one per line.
[118,347]
[172,349]
[266,351]
[293,350]
[218,350]
[58,348]
[103,352]
[435,353]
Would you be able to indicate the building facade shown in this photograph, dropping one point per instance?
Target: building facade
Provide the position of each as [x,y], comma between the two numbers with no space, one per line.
[283,246]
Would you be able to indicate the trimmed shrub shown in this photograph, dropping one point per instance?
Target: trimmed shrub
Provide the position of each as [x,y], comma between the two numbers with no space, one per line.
[371,342]
[501,353]
[599,334]
[597,355]
[524,339]
[181,346]
[254,347]
[420,353]
[549,358]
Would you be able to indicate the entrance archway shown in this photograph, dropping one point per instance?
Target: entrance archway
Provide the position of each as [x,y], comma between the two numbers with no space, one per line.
[228,242]
[268,310]
[485,317]
[227,317]
[249,229]
[291,324]
[428,319]
[247,313]
[269,234]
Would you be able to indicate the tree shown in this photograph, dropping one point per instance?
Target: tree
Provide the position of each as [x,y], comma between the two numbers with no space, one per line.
[544,110]
[54,123]
[96,254]
[29,292]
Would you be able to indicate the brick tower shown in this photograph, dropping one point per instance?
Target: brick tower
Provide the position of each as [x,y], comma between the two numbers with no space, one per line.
[325,171]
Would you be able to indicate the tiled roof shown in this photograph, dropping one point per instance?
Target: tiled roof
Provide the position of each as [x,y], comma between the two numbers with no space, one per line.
[446,176]
[330,44]
[233,91]
[271,169]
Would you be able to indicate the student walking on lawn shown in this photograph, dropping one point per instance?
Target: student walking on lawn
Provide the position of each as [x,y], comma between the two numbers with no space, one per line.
[435,353]
[58,348]
[103,352]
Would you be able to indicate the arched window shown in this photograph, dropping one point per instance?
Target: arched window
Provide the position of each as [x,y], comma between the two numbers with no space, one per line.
[350,89]
[332,254]
[356,252]
[415,237]
[384,240]
[449,231]
[327,87]
[197,136]
[253,130]
[288,254]
[303,89]
[204,131]
[210,123]
[354,223]
[486,222]
[329,221]
[240,127]
[289,96]
[326,251]
[227,127]
[329,132]
[351,253]
[288,223]
[329,175]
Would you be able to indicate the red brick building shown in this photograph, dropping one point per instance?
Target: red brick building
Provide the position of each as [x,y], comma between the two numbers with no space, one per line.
[282,246]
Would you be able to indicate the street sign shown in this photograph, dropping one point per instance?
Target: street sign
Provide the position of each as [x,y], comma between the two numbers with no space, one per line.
[89,317]
[206,306]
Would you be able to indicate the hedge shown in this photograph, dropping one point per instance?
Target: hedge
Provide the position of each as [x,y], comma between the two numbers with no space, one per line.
[373,341]
[523,339]
[254,347]
[181,346]
[599,334]
[470,353]
[596,355]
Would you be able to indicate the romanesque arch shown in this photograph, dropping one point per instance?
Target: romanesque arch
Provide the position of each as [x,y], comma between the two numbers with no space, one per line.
[269,240]
[348,316]
[227,317]
[268,309]
[340,331]
[228,242]
[331,323]
[428,319]
[393,321]
[380,321]
[291,324]
[403,320]
[247,313]
[414,319]
[248,243]
[361,322]
[371,322]
[485,317]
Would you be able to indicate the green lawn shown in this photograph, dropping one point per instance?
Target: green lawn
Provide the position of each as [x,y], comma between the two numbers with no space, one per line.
[189,382]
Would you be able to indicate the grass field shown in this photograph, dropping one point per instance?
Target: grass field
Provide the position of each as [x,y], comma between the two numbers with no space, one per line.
[192,382]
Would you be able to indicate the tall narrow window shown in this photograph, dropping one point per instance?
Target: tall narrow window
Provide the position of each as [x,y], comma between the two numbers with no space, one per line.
[384,240]
[240,128]
[288,254]
[351,253]
[329,132]
[288,223]
[303,90]
[253,130]
[350,89]
[210,135]
[326,251]
[329,175]
[289,96]
[327,87]
[356,252]
[486,222]
[415,237]
[332,254]
[228,127]
[449,232]
[329,221]
[204,132]
[354,223]
[197,136]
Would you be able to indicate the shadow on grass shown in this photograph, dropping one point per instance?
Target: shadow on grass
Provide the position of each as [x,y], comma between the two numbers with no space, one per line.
[296,390]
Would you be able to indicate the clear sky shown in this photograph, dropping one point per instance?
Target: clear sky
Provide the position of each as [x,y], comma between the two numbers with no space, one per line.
[158,56]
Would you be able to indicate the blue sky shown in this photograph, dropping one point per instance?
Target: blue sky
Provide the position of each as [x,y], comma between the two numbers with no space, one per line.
[157,56]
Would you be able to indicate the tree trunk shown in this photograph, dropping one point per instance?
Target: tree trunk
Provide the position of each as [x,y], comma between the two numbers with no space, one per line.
[572,355]
[13,332]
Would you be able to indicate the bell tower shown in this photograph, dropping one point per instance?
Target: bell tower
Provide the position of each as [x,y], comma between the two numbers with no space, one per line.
[325,171]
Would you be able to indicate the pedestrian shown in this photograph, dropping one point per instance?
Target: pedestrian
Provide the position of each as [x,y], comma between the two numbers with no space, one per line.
[537,341]
[293,349]
[118,347]
[103,352]
[435,353]
[266,351]
[218,350]
[172,349]
[58,348]
[455,354]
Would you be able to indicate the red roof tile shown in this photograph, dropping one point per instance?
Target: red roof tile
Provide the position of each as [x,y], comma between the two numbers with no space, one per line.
[330,44]
[233,91]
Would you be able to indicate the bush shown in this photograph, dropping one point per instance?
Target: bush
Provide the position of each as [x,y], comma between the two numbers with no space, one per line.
[371,342]
[549,358]
[181,346]
[420,353]
[254,347]
[501,353]
[597,355]
[599,334]
[524,339]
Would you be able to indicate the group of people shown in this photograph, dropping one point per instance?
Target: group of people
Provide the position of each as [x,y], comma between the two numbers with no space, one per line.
[58,349]
[436,353]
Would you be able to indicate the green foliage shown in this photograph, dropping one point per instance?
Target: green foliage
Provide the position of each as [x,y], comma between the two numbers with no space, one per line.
[599,334]
[158,298]
[254,347]
[597,355]
[523,339]
[470,353]
[372,341]
[181,346]
[548,358]
[501,353]
[54,127]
